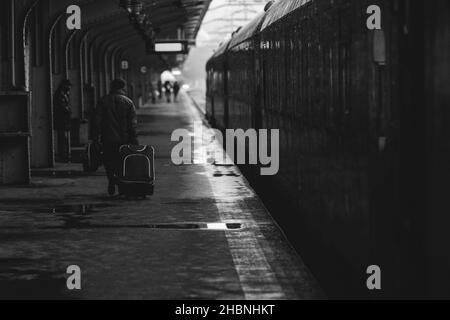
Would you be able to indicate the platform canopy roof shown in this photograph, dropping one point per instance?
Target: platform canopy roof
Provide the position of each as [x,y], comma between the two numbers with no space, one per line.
[164,17]
[131,23]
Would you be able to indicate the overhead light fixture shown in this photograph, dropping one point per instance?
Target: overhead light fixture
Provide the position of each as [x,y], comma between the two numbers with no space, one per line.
[135,8]
[123,4]
[132,6]
[146,23]
[140,18]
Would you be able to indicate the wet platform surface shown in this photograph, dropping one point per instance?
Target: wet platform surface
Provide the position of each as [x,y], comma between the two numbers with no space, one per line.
[203,235]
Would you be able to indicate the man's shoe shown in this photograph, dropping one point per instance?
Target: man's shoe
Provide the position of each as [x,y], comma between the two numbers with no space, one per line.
[111,189]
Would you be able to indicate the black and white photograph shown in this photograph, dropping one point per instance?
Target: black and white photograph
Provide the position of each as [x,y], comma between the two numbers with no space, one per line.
[224,159]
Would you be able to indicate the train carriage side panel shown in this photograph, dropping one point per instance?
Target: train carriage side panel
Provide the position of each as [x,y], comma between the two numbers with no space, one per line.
[243,89]
[357,110]
[217,70]
[334,177]
[437,82]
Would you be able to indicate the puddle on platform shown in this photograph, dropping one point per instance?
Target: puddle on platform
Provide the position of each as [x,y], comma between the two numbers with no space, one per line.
[82,209]
[218,164]
[227,174]
[27,278]
[78,209]
[188,202]
[60,174]
[198,226]
[152,133]
[171,226]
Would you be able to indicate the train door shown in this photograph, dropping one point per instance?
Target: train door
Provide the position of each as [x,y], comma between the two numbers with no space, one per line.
[259,76]
[89,107]
[408,217]
[437,92]
[262,62]
[211,85]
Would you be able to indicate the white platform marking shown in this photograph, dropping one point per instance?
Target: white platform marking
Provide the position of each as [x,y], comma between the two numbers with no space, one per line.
[258,281]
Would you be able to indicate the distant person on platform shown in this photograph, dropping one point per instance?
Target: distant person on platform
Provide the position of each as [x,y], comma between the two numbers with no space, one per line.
[152,93]
[168,90]
[116,124]
[176,90]
[160,87]
[62,119]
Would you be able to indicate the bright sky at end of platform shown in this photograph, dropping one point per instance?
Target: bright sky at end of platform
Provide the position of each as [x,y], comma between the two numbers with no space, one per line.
[224,17]
[221,20]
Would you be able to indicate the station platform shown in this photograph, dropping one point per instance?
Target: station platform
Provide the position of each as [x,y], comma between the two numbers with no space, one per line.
[205,234]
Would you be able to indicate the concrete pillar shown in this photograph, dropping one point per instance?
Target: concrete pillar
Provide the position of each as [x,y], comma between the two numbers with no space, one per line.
[89,88]
[42,143]
[79,133]
[114,64]
[15,118]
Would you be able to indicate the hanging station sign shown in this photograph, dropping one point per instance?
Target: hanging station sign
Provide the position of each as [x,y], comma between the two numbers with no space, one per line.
[174,47]
[124,64]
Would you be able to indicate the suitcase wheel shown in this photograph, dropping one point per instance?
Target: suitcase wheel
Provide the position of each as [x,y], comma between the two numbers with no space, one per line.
[151,191]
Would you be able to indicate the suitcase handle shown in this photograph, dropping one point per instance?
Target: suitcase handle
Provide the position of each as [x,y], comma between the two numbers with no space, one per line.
[134,148]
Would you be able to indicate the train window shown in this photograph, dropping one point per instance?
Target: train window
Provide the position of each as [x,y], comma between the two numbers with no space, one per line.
[344,81]
[379,47]
[2,44]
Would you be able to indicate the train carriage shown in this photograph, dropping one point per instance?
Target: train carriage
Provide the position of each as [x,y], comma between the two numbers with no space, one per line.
[217,87]
[349,103]
[244,91]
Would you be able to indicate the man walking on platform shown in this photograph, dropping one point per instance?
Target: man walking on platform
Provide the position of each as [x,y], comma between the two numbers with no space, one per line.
[116,125]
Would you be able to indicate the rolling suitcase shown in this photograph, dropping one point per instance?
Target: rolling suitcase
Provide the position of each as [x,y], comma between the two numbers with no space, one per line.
[137,173]
[92,157]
